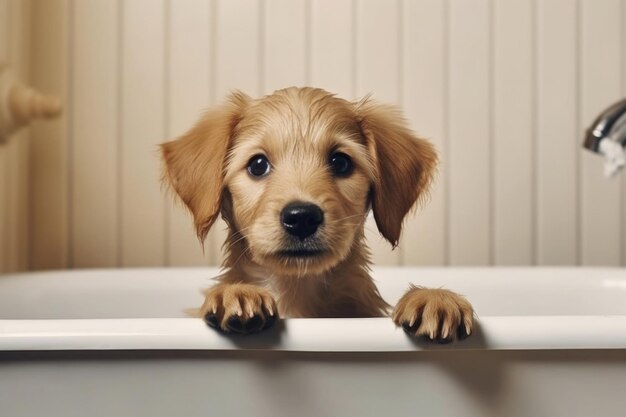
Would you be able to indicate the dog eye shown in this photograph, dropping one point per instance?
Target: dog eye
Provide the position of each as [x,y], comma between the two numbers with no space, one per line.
[340,164]
[258,165]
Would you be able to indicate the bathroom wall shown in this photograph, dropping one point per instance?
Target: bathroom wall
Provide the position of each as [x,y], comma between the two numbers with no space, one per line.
[504,89]
[14,155]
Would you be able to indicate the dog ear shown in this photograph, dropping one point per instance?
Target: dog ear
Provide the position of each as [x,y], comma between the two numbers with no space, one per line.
[194,163]
[405,166]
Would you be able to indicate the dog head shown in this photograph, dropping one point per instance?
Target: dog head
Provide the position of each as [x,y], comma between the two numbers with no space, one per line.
[295,173]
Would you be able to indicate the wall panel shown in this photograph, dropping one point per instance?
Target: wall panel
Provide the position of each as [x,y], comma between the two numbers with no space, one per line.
[512,125]
[95,132]
[332,38]
[378,71]
[469,153]
[286,44]
[558,141]
[188,94]
[14,153]
[623,94]
[48,160]
[600,200]
[238,45]
[424,79]
[5,37]
[142,232]
[504,89]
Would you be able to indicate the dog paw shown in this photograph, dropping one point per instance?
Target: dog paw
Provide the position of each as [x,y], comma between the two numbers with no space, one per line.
[238,308]
[434,314]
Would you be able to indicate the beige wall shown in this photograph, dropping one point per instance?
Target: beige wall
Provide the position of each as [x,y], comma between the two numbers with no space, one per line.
[503,88]
[14,173]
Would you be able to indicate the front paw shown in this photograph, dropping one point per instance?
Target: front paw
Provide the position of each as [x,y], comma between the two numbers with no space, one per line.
[436,314]
[239,308]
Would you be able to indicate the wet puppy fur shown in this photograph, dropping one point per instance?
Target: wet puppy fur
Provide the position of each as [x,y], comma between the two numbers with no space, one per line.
[253,160]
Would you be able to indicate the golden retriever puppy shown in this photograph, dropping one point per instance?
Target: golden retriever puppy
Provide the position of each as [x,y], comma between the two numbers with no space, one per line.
[294,175]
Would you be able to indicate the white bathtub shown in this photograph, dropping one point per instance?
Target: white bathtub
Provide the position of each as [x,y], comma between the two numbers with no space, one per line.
[551,342]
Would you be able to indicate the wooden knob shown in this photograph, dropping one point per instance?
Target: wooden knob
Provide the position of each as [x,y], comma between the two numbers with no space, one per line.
[26,104]
[20,104]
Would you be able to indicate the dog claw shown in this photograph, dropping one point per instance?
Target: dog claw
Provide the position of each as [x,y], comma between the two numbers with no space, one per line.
[406,326]
[211,320]
[235,325]
[269,322]
[241,308]
[238,325]
[409,328]
[254,324]
[424,338]
[462,332]
[441,316]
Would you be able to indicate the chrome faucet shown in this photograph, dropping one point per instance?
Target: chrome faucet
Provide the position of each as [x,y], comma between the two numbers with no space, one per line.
[607,136]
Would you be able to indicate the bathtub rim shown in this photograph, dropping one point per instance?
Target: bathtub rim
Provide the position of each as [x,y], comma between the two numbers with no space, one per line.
[494,332]
[309,335]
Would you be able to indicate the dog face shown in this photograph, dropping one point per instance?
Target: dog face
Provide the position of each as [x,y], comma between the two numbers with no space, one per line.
[295,173]
[299,175]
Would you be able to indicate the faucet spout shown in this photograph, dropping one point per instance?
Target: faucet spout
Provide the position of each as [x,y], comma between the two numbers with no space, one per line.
[607,136]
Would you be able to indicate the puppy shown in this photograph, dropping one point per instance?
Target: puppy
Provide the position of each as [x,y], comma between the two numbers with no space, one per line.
[294,175]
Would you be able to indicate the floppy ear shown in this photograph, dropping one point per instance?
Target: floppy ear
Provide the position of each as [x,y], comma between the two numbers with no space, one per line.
[405,166]
[194,163]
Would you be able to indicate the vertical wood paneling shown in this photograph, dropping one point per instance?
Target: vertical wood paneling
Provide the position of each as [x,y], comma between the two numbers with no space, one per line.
[423,100]
[285,44]
[188,82]
[21,54]
[142,128]
[514,169]
[237,49]
[5,27]
[469,133]
[12,149]
[558,141]
[623,93]
[493,84]
[4,173]
[48,163]
[600,78]
[332,66]
[18,148]
[17,201]
[4,214]
[378,72]
[94,158]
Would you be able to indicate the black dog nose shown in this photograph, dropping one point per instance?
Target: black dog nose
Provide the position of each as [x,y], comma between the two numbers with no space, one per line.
[301,219]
